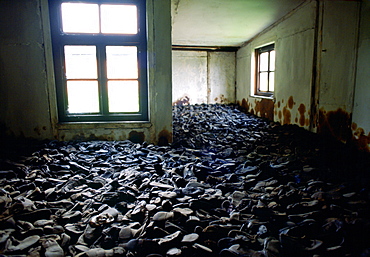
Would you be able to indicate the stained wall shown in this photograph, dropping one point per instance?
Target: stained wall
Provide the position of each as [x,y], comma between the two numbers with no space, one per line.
[221,77]
[336,61]
[27,90]
[322,74]
[294,44]
[361,108]
[189,77]
[25,110]
[203,77]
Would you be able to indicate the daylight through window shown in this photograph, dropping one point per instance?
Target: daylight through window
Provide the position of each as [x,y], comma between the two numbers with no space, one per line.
[265,70]
[99,51]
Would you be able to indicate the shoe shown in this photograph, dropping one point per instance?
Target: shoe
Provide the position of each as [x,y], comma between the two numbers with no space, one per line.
[14,245]
[52,248]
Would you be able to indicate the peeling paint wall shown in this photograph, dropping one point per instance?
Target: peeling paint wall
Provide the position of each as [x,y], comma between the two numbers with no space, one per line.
[189,77]
[361,119]
[27,93]
[294,43]
[24,103]
[320,48]
[160,71]
[203,77]
[337,66]
[221,77]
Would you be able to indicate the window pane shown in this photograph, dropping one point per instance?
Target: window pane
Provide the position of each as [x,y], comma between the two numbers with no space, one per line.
[123,96]
[82,96]
[264,60]
[80,18]
[263,82]
[80,62]
[272,82]
[122,62]
[119,19]
[272,60]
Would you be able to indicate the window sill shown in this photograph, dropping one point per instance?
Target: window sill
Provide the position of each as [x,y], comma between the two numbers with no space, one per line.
[263,96]
[105,125]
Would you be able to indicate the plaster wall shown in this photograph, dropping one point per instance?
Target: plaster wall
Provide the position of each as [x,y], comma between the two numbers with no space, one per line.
[203,77]
[361,109]
[337,53]
[221,77]
[24,95]
[27,92]
[189,79]
[294,43]
[315,82]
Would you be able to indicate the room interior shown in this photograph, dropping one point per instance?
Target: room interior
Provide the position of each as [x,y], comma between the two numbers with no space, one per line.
[200,55]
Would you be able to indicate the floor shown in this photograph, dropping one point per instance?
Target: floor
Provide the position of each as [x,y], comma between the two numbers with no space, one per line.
[231,184]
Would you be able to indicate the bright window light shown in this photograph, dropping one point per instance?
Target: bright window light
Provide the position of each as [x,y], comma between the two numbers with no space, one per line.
[80,18]
[80,62]
[100,59]
[123,96]
[120,19]
[122,62]
[83,97]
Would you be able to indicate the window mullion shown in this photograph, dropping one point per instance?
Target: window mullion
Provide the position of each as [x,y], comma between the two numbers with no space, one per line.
[142,69]
[99,17]
[102,77]
[259,71]
[268,71]
[63,84]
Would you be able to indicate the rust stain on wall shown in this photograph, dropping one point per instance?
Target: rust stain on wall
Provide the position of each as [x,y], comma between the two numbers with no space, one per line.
[164,137]
[284,114]
[56,131]
[182,101]
[336,124]
[287,116]
[265,108]
[302,111]
[292,112]
[361,140]
[80,136]
[91,137]
[245,104]
[37,130]
[291,102]
[136,137]
[221,99]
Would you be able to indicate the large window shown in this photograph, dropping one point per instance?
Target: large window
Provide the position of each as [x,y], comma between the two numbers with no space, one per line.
[265,70]
[99,50]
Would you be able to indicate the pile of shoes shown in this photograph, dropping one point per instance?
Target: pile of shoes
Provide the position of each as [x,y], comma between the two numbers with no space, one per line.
[231,184]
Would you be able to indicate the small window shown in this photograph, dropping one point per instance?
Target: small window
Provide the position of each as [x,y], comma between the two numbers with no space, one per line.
[99,50]
[265,70]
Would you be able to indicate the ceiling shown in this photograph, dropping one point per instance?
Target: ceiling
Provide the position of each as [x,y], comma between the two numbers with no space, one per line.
[224,22]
